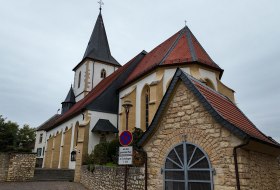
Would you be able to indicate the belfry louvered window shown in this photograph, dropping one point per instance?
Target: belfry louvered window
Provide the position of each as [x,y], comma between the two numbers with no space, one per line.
[187,167]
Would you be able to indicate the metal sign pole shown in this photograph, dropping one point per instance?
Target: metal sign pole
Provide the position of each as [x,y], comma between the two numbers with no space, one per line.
[126,105]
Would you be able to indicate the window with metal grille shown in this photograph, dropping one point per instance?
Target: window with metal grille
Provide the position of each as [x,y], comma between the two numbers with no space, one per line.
[187,167]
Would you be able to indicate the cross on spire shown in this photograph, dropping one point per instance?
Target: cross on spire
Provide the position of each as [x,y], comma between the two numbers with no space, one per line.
[100,2]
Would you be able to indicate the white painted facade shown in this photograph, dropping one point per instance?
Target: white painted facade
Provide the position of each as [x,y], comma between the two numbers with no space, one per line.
[205,74]
[61,128]
[97,71]
[40,145]
[167,76]
[93,69]
[78,90]
[95,138]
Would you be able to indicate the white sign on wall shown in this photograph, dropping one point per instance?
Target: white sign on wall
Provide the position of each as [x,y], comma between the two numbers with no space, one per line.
[125,155]
[125,150]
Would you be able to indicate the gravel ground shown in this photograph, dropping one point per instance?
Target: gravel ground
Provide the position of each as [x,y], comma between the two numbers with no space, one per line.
[40,185]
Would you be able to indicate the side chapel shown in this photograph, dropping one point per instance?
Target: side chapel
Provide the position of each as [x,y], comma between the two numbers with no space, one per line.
[195,135]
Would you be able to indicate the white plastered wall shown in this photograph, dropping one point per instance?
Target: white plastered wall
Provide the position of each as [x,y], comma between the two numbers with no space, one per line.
[42,144]
[168,74]
[205,74]
[97,72]
[61,128]
[94,138]
[94,70]
[78,91]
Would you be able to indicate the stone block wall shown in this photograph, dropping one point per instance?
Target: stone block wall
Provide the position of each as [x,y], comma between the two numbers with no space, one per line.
[258,171]
[112,178]
[17,166]
[4,165]
[185,119]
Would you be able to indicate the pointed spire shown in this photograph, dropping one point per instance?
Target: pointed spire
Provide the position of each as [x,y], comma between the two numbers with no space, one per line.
[98,46]
[70,98]
[69,101]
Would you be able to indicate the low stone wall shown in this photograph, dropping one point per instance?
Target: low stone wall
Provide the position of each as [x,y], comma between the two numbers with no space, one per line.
[112,178]
[4,165]
[17,166]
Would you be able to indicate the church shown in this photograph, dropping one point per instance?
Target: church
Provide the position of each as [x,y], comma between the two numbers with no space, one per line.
[195,136]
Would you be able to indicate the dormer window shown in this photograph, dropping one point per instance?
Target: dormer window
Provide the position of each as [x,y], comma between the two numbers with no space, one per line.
[103,73]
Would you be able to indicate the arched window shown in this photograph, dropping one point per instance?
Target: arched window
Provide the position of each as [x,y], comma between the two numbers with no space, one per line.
[103,73]
[145,100]
[187,167]
[79,80]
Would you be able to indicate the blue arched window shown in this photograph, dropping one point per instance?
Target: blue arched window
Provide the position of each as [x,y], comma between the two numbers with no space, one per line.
[187,167]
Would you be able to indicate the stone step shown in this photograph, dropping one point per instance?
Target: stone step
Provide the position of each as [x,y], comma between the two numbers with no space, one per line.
[53,175]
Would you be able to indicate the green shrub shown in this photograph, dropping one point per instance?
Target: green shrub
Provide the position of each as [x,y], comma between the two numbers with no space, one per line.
[113,151]
[100,153]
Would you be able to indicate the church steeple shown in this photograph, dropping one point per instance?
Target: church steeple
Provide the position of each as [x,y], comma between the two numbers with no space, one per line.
[96,61]
[98,46]
[69,101]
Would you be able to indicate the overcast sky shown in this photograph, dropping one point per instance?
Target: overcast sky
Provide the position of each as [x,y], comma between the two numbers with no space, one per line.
[42,41]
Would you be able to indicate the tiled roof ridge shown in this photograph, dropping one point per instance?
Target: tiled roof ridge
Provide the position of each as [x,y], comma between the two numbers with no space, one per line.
[209,88]
[171,47]
[143,72]
[244,131]
[229,101]
[180,48]
[192,35]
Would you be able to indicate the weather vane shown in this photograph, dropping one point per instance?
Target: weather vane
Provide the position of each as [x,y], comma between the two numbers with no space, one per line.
[100,3]
[185,23]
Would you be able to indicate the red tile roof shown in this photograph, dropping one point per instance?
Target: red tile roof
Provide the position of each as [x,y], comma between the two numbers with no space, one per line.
[219,106]
[230,112]
[181,48]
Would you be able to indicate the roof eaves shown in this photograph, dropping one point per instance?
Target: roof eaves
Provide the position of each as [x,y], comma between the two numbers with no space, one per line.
[179,74]
[84,106]
[43,127]
[66,119]
[276,145]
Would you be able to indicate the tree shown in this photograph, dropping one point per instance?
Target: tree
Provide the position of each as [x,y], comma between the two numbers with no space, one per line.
[8,135]
[25,138]
[13,138]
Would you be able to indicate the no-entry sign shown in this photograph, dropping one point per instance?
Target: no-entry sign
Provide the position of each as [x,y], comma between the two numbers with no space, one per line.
[125,138]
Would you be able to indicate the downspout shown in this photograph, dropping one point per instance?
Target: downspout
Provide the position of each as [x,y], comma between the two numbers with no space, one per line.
[146,173]
[236,163]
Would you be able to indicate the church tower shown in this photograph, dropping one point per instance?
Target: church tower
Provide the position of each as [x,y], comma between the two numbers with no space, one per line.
[97,62]
[69,101]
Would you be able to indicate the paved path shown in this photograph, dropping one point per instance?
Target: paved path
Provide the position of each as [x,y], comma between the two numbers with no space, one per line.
[40,185]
